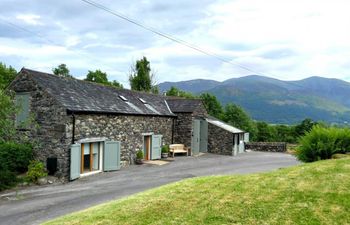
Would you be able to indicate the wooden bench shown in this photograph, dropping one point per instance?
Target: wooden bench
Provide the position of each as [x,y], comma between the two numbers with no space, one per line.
[178,148]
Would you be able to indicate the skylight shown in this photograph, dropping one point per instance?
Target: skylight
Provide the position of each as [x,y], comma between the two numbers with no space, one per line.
[142,100]
[123,98]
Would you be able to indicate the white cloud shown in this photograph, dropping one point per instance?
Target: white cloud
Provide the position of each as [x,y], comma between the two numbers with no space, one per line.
[30,19]
[283,39]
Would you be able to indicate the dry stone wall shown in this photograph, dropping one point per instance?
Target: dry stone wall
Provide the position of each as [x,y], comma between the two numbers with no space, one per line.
[267,146]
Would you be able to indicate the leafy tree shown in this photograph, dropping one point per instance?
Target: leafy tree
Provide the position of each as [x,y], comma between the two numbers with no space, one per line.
[7,111]
[61,70]
[116,84]
[141,78]
[212,105]
[237,117]
[7,74]
[285,133]
[100,77]
[305,126]
[97,76]
[264,132]
[174,91]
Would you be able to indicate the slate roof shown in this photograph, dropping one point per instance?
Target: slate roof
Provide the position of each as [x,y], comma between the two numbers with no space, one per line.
[83,96]
[180,105]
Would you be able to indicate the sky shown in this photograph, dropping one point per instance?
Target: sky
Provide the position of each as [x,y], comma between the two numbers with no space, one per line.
[283,39]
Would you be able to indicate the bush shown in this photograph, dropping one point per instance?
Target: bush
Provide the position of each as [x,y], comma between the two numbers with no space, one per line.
[7,179]
[15,157]
[139,154]
[321,143]
[36,170]
[165,149]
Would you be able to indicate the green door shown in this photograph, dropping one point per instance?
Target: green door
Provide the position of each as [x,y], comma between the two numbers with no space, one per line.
[111,156]
[195,137]
[203,145]
[75,157]
[156,146]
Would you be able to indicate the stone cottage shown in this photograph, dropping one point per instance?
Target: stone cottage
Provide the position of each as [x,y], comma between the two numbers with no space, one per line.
[82,128]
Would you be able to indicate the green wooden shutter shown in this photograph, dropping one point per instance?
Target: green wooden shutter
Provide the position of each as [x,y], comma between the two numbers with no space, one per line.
[75,157]
[22,102]
[156,146]
[111,156]
[203,136]
[195,137]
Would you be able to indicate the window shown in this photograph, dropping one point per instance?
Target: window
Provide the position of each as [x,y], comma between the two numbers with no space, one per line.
[22,102]
[142,100]
[123,98]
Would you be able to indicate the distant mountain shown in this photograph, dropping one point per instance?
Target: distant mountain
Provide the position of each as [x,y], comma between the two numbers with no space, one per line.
[277,101]
[194,86]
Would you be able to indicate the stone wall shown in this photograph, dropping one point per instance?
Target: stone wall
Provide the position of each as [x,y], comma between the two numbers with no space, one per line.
[124,128]
[183,129]
[267,146]
[220,141]
[47,132]
[183,125]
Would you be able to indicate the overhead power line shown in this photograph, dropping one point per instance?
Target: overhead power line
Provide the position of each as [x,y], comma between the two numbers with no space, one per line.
[167,36]
[47,40]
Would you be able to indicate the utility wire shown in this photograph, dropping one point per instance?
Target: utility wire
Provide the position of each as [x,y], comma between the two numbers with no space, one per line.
[167,36]
[28,31]
[45,38]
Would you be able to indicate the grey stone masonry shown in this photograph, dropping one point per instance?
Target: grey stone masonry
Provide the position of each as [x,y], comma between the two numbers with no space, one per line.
[267,146]
[183,129]
[127,129]
[184,123]
[47,132]
[220,141]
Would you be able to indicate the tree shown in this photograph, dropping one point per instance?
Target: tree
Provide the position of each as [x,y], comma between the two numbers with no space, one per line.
[141,78]
[7,74]
[212,105]
[264,132]
[237,117]
[174,91]
[305,126]
[116,84]
[7,111]
[97,76]
[62,71]
[285,133]
[100,77]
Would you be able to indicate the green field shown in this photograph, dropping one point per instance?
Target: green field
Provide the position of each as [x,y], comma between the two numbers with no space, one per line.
[314,193]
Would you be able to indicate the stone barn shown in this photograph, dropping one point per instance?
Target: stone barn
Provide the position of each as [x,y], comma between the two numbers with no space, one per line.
[82,128]
[204,133]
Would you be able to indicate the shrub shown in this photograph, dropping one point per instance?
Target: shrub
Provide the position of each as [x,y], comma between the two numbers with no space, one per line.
[7,179]
[139,154]
[321,143]
[165,149]
[36,170]
[15,157]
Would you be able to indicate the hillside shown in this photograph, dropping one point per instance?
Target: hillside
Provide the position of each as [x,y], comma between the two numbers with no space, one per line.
[313,193]
[277,101]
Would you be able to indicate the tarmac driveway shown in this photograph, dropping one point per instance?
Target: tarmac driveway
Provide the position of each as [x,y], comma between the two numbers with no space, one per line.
[41,203]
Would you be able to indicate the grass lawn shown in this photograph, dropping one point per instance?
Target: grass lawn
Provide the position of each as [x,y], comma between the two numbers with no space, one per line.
[314,193]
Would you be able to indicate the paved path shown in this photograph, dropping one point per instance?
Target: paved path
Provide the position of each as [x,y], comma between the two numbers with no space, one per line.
[37,204]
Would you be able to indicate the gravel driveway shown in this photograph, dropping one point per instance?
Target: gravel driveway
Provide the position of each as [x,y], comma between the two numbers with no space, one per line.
[37,204]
